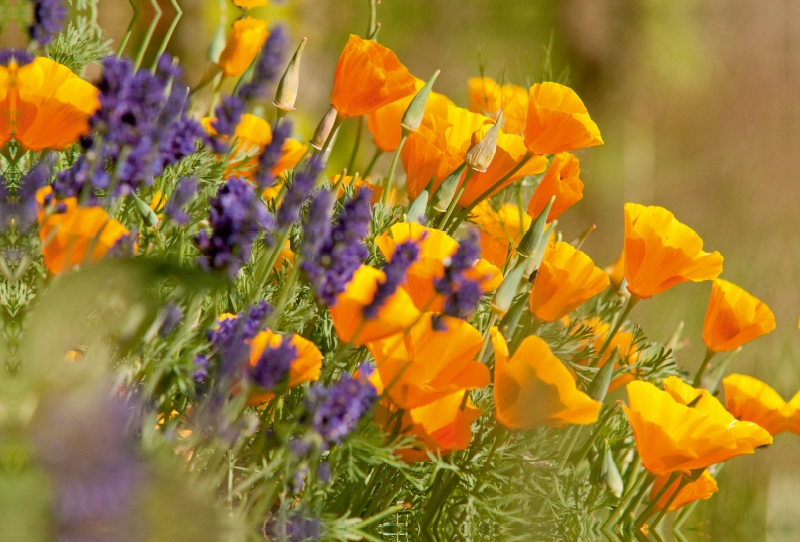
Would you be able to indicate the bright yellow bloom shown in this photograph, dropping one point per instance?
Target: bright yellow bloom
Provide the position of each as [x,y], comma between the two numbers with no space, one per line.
[734,317]
[244,43]
[305,368]
[535,389]
[425,364]
[45,105]
[501,231]
[67,238]
[672,436]
[368,77]
[343,183]
[628,352]
[558,121]
[397,314]
[561,181]
[660,252]
[489,98]
[749,399]
[703,488]
[567,279]
[435,247]
[248,4]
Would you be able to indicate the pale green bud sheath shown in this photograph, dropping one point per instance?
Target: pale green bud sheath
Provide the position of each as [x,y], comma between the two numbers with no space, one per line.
[286,95]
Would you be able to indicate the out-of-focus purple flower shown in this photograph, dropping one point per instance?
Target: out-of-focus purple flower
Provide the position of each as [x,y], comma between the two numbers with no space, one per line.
[232,336]
[324,472]
[49,17]
[272,368]
[167,68]
[201,364]
[330,264]
[236,216]
[272,154]
[125,247]
[12,55]
[336,410]
[462,293]
[183,193]
[404,255]
[22,207]
[226,117]
[294,527]
[267,67]
[299,191]
[172,317]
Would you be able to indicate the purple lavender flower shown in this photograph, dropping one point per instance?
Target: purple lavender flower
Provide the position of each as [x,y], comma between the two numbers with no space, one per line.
[237,215]
[330,264]
[183,193]
[294,527]
[336,410]
[267,67]
[232,336]
[324,472]
[125,246]
[201,364]
[49,17]
[167,68]
[271,155]
[226,117]
[172,317]
[404,255]
[298,192]
[272,368]
[12,55]
[462,293]
[23,208]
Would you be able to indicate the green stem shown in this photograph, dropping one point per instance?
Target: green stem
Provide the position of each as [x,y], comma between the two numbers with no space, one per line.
[336,123]
[647,511]
[356,145]
[632,301]
[702,369]
[286,291]
[492,322]
[664,510]
[375,156]
[570,444]
[387,184]
[453,203]
[266,264]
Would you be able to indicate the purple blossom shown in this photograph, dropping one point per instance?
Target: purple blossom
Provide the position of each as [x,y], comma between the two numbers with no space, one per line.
[267,67]
[293,528]
[330,262]
[272,367]
[404,255]
[12,55]
[236,216]
[172,317]
[226,117]
[462,293]
[232,336]
[49,17]
[167,68]
[272,154]
[183,193]
[201,364]
[336,410]
[23,206]
[299,191]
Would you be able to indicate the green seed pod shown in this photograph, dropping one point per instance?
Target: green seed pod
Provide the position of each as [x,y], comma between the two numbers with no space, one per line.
[286,94]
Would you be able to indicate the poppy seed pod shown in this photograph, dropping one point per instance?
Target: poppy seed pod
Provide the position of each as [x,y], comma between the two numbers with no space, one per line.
[323,131]
[482,152]
[286,94]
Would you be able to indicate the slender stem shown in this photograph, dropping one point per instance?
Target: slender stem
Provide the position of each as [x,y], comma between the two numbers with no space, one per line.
[375,156]
[654,501]
[356,144]
[702,369]
[451,207]
[492,322]
[287,290]
[336,123]
[573,438]
[632,301]
[266,263]
[664,510]
[390,176]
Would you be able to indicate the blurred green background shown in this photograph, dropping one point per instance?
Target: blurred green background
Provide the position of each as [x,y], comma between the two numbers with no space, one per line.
[696,102]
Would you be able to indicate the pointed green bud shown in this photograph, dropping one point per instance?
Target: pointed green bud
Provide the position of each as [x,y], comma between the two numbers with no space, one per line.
[324,129]
[533,237]
[482,152]
[538,255]
[286,94]
[597,474]
[507,291]
[148,214]
[444,194]
[579,240]
[412,118]
[614,481]
[598,387]
[416,211]
[218,42]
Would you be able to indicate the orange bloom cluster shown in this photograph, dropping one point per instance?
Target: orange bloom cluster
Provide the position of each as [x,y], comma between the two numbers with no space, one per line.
[749,399]
[489,98]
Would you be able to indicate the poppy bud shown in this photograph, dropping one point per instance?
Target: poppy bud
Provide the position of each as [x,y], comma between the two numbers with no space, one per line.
[286,94]
[416,211]
[416,109]
[324,129]
[444,194]
[533,237]
[482,152]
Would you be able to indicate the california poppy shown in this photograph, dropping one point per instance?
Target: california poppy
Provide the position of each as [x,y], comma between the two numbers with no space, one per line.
[368,76]
[305,368]
[561,181]
[734,317]
[500,231]
[535,389]
[424,364]
[44,105]
[672,436]
[749,399]
[489,98]
[343,183]
[244,43]
[248,4]
[628,352]
[435,247]
[702,488]
[558,121]
[567,278]
[397,314]
[68,237]
[384,123]
[660,252]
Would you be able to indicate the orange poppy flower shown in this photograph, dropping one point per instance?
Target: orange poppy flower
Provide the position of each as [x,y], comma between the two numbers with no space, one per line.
[734,317]
[660,252]
[672,436]
[344,182]
[368,76]
[435,247]
[397,314]
[68,237]
[44,105]
[628,352]
[384,123]
[703,488]
[489,98]
[305,368]
[567,279]
[534,389]
[247,4]
[500,231]
[749,399]
[558,121]
[561,181]
[424,364]
[244,43]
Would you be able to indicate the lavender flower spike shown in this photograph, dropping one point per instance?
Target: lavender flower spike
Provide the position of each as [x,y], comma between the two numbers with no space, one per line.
[404,255]
[298,192]
[462,292]
[273,366]
[49,18]
[268,66]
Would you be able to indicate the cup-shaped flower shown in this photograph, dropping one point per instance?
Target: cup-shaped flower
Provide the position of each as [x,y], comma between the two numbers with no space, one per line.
[424,364]
[76,235]
[702,488]
[749,399]
[558,121]
[672,436]
[562,181]
[304,368]
[435,247]
[396,314]
[628,352]
[244,43]
[368,76]
[489,98]
[500,230]
[661,252]
[567,279]
[533,388]
[45,105]
[734,317]
[384,123]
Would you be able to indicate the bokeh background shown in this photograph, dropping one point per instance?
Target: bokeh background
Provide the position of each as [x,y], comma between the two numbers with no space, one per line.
[697,102]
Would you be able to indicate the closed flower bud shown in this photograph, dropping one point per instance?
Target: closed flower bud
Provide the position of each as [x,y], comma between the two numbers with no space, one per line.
[324,129]
[416,109]
[482,152]
[416,211]
[444,194]
[286,94]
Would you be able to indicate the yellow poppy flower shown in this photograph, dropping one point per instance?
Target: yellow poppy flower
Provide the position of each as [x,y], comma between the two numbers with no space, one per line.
[561,181]
[305,368]
[734,317]
[244,43]
[703,488]
[500,231]
[489,98]
[558,121]
[749,399]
